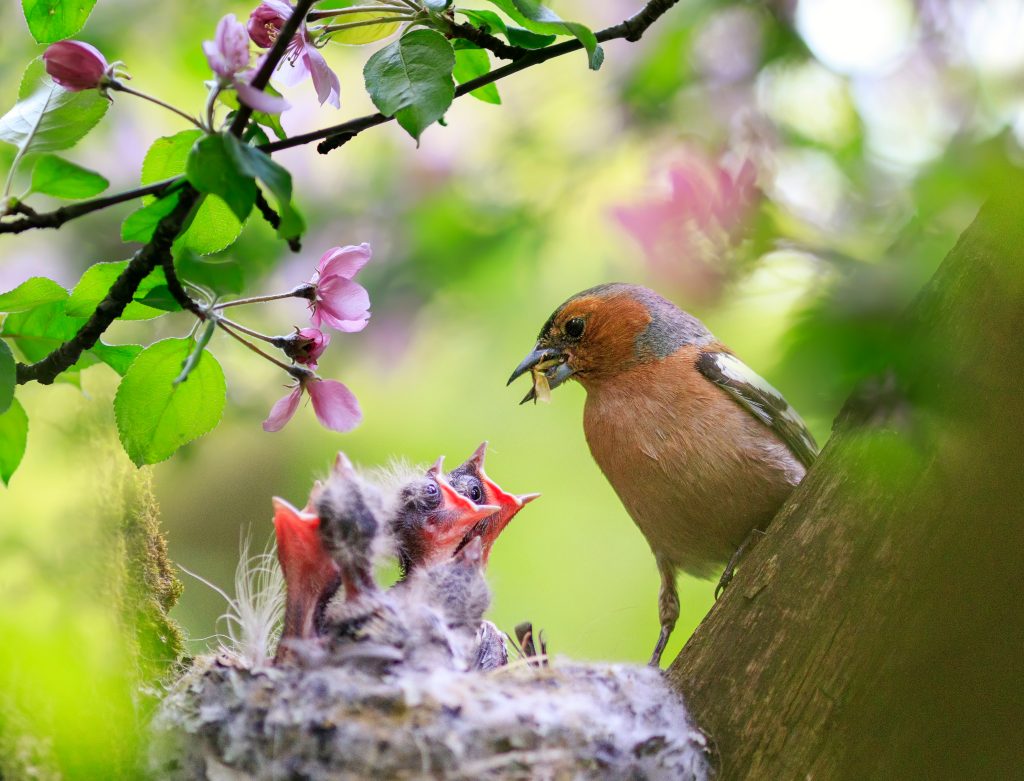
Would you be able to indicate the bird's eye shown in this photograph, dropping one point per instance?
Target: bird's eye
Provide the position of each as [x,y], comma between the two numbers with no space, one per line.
[476,494]
[574,328]
[431,489]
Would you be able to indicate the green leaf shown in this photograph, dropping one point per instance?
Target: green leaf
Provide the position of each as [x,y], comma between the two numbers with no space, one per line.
[161,297]
[60,178]
[214,226]
[118,357]
[30,294]
[47,117]
[473,62]
[8,376]
[141,224]
[219,276]
[411,79]
[55,20]
[154,416]
[95,284]
[490,22]
[13,437]
[40,331]
[212,169]
[252,162]
[356,36]
[539,18]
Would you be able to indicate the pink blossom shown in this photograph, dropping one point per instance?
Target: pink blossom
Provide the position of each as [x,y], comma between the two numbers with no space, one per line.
[75,65]
[334,404]
[340,302]
[306,346]
[228,55]
[303,59]
[689,236]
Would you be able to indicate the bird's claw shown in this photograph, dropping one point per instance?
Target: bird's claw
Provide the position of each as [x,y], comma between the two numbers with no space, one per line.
[723,581]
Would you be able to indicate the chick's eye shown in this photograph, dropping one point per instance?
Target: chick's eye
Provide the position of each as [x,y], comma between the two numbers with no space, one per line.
[574,328]
[476,494]
[431,489]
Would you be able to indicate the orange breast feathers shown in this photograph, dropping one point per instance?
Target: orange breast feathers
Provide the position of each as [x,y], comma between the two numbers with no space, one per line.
[694,470]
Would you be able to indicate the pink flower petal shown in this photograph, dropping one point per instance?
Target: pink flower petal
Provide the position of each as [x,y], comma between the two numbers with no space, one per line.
[342,304]
[283,410]
[293,69]
[328,88]
[260,100]
[335,405]
[344,261]
[75,65]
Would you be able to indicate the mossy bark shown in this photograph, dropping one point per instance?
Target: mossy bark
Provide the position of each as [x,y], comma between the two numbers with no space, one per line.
[877,630]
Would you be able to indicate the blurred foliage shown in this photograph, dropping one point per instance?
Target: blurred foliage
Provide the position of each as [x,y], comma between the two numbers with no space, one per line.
[867,169]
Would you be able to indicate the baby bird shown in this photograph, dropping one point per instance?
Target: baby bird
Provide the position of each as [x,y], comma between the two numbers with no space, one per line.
[310,574]
[700,449]
[470,480]
[423,519]
[432,519]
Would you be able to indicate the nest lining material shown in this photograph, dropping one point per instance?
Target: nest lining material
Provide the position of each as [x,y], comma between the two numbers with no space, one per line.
[350,721]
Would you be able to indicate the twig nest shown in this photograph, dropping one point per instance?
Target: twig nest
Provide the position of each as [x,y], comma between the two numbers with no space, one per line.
[566,721]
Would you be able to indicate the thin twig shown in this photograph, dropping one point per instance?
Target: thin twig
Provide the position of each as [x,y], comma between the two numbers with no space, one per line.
[333,28]
[58,217]
[631,29]
[389,8]
[227,329]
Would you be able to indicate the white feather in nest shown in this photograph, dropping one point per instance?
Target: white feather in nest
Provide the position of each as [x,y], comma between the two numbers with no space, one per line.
[253,617]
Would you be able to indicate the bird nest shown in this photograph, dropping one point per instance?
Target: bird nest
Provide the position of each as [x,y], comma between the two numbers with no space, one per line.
[411,681]
[349,720]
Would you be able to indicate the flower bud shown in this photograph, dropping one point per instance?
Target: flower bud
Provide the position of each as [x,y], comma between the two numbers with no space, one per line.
[228,52]
[306,346]
[75,65]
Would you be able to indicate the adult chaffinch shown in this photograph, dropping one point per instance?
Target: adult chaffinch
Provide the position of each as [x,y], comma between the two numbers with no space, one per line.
[700,449]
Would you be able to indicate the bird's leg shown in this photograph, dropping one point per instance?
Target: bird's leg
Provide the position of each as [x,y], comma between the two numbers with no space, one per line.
[668,608]
[734,560]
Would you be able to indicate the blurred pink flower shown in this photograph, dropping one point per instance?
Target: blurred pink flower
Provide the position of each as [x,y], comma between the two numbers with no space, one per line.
[75,65]
[228,55]
[306,346]
[303,59]
[334,404]
[339,302]
[689,237]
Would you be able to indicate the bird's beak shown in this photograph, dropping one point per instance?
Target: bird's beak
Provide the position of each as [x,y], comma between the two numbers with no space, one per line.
[495,493]
[469,512]
[550,360]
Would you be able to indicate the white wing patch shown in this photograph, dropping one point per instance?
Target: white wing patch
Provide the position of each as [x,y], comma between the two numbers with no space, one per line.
[762,400]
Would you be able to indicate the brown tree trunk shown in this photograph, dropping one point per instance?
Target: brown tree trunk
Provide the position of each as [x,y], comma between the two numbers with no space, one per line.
[877,631]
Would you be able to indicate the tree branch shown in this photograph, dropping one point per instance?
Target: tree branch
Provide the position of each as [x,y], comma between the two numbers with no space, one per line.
[56,218]
[485,40]
[158,250]
[631,29]
[119,296]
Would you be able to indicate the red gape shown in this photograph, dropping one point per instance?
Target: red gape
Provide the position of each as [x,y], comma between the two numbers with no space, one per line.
[310,574]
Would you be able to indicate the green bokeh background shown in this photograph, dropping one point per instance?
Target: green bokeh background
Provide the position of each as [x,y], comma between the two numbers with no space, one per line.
[477,235]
